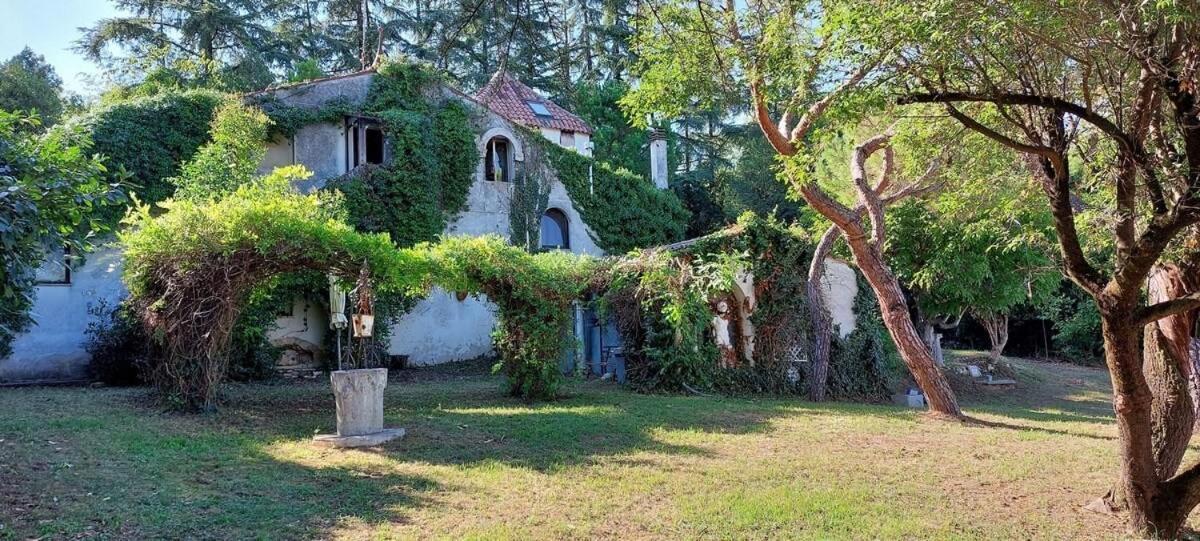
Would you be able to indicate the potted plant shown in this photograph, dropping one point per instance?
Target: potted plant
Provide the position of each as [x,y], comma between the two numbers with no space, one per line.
[357,391]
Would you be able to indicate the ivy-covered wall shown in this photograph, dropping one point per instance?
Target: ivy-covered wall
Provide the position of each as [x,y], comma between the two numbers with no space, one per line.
[663,305]
[151,137]
[624,210]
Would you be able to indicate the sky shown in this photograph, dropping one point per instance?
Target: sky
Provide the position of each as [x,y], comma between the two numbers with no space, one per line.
[50,27]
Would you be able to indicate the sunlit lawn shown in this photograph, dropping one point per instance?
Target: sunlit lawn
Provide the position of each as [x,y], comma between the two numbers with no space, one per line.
[605,462]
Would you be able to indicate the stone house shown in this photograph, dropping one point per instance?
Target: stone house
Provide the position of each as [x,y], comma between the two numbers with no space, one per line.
[441,327]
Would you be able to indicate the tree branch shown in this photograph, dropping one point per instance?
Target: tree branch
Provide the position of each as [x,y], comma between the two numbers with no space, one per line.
[1178,305]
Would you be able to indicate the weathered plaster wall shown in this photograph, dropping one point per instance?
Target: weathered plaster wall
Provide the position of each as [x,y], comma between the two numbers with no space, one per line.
[441,328]
[839,287]
[321,148]
[351,88]
[53,347]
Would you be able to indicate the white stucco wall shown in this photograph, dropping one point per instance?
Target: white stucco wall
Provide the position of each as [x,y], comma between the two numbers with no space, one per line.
[441,328]
[53,348]
[839,287]
[308,323]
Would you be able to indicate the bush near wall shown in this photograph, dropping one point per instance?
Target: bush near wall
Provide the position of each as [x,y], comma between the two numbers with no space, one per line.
[662,303]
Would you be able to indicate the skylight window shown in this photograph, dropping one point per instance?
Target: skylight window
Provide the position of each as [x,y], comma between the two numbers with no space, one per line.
[539,109]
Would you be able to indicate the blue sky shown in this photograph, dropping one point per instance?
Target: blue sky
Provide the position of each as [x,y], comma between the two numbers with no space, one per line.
[49,27]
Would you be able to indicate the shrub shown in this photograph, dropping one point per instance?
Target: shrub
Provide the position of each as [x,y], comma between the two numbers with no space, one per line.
[190,271]
[533,294]
[50,190]
[662,302]
[117,344]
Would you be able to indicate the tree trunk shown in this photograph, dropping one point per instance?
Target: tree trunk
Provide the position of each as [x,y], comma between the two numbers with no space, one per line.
[996,326]
[899,323]
[1132,403]
[1167,350]
[819,314]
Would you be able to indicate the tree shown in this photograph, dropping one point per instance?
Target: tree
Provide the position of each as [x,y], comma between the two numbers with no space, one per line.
[1113,86]
[981,249]
[29,84]
[227,44]
[790,65]
[51,188]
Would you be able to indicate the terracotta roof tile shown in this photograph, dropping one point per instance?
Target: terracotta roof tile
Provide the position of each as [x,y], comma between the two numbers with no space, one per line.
[511,99]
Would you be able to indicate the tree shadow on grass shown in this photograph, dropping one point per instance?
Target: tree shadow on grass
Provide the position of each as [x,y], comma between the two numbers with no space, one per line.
[470,421]
[109,468]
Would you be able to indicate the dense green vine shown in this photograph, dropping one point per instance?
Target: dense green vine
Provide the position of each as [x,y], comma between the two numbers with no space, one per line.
[432,153]
[624,210]
[662,303]
[530,198]
[151,137]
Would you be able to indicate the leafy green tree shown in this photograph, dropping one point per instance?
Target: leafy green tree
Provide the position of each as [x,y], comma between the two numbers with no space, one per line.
[227,44]
[614,138]
[982,250]
[28,83]
[1097,93]
[801,71]
[52,187]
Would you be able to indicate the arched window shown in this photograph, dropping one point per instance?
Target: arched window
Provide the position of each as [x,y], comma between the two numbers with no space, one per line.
[554,232]
[497,160]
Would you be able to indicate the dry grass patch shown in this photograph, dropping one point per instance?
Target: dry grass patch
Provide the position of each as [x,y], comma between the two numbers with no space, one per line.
[603,463]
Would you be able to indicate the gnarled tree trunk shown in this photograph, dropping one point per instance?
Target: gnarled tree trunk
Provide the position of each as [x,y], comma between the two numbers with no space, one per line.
[1168,367]
[996,325]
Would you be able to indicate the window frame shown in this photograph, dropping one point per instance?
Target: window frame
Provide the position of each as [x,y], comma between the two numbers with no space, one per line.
[562,221]
[65,263]
[357,128]
[506,171]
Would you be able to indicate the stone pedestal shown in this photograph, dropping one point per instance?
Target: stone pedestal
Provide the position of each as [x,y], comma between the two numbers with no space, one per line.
[359,397]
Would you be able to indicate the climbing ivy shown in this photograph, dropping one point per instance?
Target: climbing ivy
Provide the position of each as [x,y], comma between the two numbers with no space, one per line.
[662,303]
[150,137]
[623,209]
[533,294]
[529,200]
[432,153]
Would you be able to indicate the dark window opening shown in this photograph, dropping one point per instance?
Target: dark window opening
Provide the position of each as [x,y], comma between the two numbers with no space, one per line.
[496,160]
[365,143]
[374,145]
[554,233]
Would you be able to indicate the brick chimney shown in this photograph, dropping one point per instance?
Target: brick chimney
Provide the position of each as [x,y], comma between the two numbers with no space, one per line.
[658,158]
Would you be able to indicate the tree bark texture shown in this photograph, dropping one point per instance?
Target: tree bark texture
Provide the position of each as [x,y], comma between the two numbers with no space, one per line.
[819,314]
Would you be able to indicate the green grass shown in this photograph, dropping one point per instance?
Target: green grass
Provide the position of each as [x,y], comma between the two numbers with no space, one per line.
[603,462]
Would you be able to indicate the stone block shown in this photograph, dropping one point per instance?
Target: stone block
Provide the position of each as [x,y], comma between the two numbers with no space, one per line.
[359,397]
[365,440]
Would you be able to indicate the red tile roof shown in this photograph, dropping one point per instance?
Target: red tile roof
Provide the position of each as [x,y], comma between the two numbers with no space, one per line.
[510,99]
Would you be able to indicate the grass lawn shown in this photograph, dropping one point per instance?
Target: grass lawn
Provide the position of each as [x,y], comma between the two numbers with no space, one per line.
[604,462]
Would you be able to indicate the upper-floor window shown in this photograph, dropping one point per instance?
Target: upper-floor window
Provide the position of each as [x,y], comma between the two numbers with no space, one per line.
[364,142]
[566,139]
[497,160]
[554,233]
[539,109]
